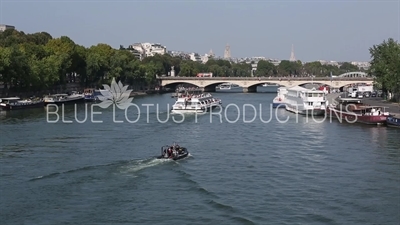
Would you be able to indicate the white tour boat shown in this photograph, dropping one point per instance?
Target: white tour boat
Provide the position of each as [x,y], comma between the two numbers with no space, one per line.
[279,100]
[227,86]
[305,101]
[195,101]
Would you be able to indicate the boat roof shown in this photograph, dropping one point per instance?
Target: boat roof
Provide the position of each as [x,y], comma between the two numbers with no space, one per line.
[298,88]
[372,106]
[349,100]
[11,98]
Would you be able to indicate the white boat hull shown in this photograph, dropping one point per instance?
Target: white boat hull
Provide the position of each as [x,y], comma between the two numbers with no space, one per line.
[303,101]
[302,111]
[194,110]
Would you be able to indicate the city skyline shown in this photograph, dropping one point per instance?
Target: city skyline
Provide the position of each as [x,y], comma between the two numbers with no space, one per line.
[325,30]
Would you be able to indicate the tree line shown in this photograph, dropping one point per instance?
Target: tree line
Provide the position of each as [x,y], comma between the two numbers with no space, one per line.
[38,61]
[385,66]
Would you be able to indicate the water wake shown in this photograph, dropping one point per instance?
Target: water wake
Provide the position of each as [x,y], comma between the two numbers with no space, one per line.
[131,166]
[135,166]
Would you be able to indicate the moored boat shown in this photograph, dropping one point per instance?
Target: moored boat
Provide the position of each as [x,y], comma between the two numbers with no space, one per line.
[269,85]
[194,102]
[89,94]
[103,93]
[14,103]
[174,152]
[227,86]
[393,121]
[354,111]
[279,100]
[305,101]
[59,99]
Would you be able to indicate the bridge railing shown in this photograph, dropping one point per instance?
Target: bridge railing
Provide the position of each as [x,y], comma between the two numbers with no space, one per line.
[270,78]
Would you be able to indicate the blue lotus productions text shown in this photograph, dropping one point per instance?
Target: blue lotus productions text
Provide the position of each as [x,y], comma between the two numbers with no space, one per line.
[231,113]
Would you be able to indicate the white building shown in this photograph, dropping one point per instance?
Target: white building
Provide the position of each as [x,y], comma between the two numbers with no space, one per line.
[195,57]
[332,63]
[4,27]
[149,49]
[362,65]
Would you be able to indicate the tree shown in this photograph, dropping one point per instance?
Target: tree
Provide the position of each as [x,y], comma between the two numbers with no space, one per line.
[385,66]
[348,67]
[264,68]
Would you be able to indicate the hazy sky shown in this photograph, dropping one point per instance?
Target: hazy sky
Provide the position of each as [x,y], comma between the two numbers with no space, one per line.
[319,30]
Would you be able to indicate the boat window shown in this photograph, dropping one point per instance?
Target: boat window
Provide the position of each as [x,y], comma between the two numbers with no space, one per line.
[310,95]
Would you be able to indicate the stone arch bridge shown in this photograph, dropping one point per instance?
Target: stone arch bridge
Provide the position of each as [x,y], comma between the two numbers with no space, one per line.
[250,84]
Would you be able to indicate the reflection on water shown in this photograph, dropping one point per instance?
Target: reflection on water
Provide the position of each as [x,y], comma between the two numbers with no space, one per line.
[23,115]
[378,134]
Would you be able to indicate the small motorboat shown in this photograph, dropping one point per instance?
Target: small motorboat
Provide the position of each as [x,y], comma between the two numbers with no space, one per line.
[393,121]
[174,152]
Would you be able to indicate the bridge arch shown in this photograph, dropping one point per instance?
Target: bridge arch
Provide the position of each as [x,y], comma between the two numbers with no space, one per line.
[327,83]
[173,85]
[354,74]
[342,88]
[213,86]
[253,87]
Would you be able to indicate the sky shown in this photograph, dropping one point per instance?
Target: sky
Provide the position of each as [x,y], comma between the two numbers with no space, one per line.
[336,30]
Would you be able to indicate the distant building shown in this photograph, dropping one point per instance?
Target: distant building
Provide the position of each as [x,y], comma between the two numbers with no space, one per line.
[4,27]
[195,57]
[227,52]
[332,63]
[135,52]
[180,54]
[362,65]
[292,57]
[148,49]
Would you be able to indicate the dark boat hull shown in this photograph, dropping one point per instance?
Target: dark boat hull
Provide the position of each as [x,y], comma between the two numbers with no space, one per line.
[278,105]
[90,98]
[182,155]
[392,121]
[22,106]
[350,117]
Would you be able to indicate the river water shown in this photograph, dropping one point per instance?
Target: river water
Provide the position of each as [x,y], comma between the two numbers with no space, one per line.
[248,172]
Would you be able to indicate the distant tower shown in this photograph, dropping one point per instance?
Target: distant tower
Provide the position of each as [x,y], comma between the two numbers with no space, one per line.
[292,58]
[211,54]
[227,53]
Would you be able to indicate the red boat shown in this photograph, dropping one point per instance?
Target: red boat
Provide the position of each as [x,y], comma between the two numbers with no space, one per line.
[354,111]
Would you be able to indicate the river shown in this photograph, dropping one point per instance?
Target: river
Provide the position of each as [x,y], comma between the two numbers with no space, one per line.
[245,172]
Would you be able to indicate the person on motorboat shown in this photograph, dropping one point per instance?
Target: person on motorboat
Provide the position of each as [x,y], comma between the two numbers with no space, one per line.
[168,152]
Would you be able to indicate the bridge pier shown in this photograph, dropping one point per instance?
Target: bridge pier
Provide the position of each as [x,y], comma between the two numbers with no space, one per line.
[251,89]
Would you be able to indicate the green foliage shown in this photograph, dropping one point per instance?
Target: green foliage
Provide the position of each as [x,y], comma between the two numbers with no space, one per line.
[38,61]
[385,65]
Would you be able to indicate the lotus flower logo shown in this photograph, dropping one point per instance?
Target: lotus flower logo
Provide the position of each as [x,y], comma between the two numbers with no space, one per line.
[116,94]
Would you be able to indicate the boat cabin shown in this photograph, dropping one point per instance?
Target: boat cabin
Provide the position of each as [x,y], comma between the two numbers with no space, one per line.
[9,100]
[55,97]
[301,92]
[357,106]
[370,110]
[88,91]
